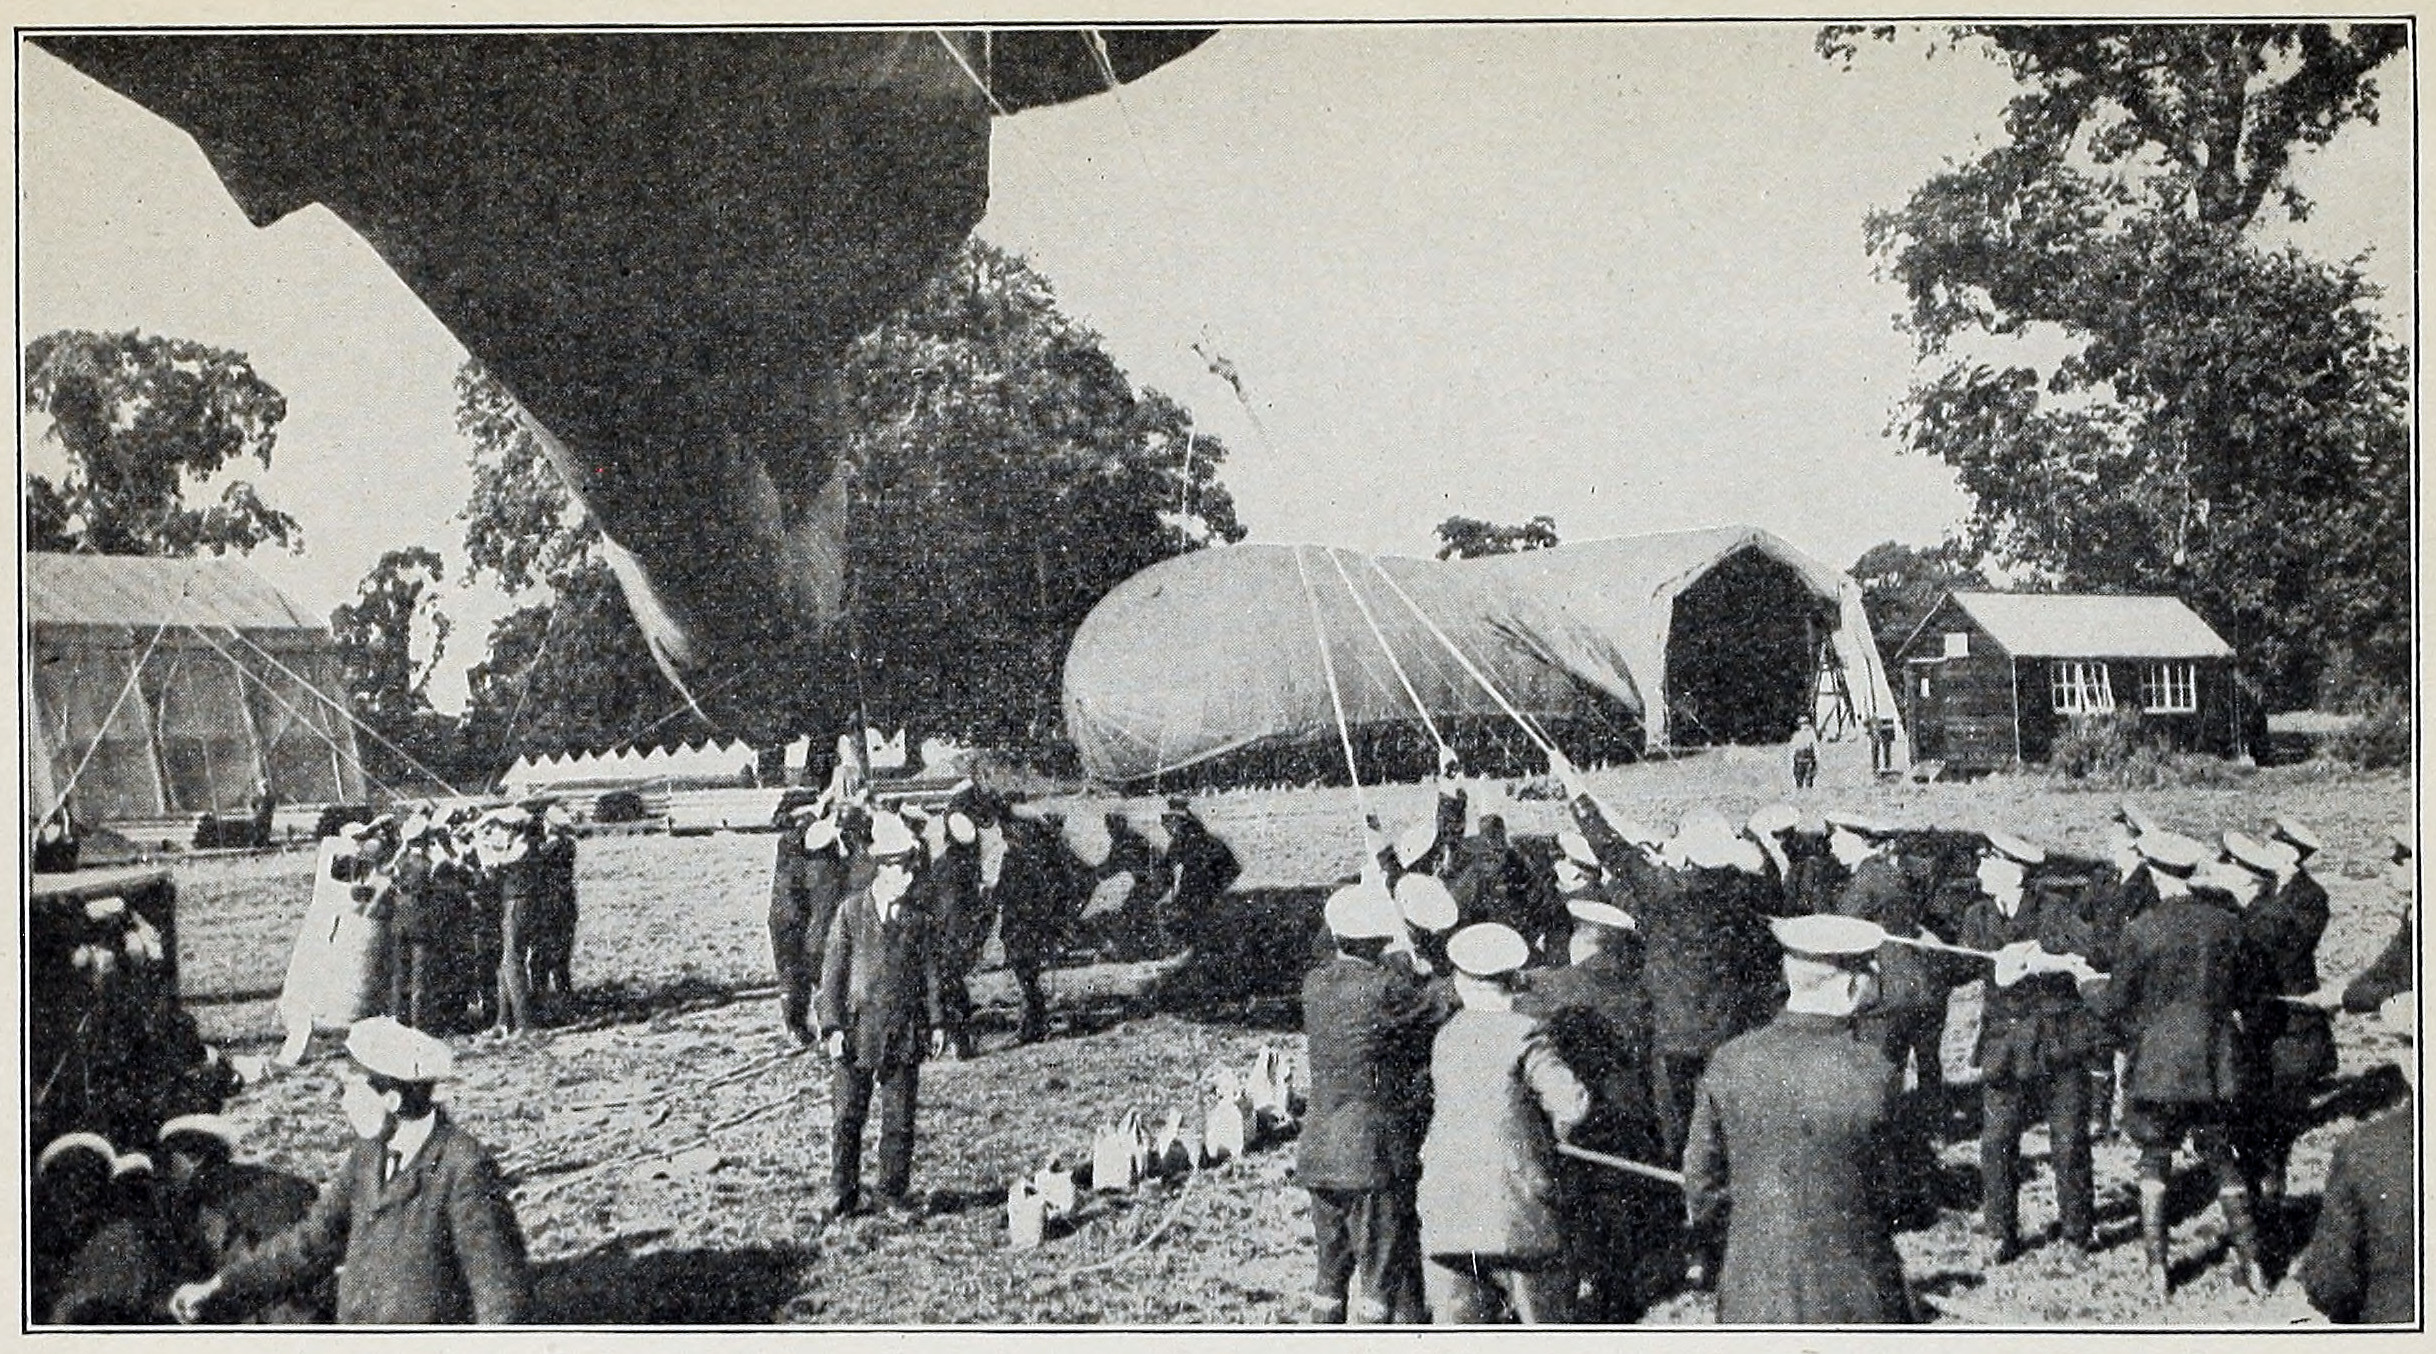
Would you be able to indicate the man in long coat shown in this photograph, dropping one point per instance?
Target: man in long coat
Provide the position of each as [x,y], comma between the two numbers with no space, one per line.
[1621,1228]
[2182,973]
[1368,1023]
[1909,1016]
[1795,1148]
[1492,1227]
[881,1011]
[1202,867]
[419,1227]
[791,908]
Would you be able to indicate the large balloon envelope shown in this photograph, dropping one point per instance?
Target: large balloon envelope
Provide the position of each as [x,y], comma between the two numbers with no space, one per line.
[660,242]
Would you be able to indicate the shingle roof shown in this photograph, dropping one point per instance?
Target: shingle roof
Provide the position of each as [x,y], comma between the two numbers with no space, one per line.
[2087,625]
[140,590]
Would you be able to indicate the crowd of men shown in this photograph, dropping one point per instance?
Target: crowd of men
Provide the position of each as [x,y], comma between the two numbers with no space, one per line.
[1550,1079]
[476,908]
[1559,1095]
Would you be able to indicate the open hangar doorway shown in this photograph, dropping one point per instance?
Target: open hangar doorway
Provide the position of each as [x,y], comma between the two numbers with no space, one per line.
[1743,652]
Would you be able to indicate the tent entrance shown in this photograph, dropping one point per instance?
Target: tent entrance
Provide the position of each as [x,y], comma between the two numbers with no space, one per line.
[1742,651]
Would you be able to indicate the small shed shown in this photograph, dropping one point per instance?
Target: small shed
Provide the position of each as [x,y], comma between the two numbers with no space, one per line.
[1990,679]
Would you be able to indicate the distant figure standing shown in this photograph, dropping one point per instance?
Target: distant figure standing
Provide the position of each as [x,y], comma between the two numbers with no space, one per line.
[1795,1142]
[1805,754]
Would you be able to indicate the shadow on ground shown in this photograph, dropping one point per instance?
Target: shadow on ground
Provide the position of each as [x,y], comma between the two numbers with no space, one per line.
[614,1286]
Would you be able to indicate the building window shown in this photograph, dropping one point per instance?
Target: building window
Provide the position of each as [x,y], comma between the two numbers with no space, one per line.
[1957,643]
[2081,688]
[2169,688]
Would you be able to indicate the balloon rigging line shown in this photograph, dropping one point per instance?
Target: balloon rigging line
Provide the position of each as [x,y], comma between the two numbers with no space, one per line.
[969,73]
[303,721]
[102,730]
[1319,632]
[1390,650]
[317,693]
[1546,745]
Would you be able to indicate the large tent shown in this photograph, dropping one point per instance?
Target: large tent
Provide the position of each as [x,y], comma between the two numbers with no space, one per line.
[1725,634]
[168,687]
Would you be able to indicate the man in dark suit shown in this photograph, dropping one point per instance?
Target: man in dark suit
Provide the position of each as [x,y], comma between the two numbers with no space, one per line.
[1368,1022]
[419,1227]
[1620,1227]
[2182,971]
[1909,1017]
[1202,867]
[2291,1047]
[218,1208]
[881,1010]
[1796,1150]
[2362,1265]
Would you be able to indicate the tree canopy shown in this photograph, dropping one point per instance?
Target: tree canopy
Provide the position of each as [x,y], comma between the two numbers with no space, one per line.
[2228,420]
[395,614]
[1901,584]
[1471,538]
[1003,475]
[145,419]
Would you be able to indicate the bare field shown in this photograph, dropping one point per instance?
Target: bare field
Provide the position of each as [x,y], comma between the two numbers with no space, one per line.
[670,1151]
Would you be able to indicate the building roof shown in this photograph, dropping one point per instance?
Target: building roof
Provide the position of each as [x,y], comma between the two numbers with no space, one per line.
[2089,625]
[142,590]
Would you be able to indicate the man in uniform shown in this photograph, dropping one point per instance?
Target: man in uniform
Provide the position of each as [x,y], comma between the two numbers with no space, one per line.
[2390,973]
[1492,1229]
[219,1208]
[1620,1227]
[1368,1025]
[1707,969]
[2036,1041]
[881,1011]
[2362,1265]
[1909,1016]
[419,1228]
[1795,1142]
[2291,1046]
[1203,869]
[790,907]
[2182,972]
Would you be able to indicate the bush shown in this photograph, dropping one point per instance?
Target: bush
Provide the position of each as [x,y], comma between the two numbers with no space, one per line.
[2114,752]
[2384,736]
[618,806]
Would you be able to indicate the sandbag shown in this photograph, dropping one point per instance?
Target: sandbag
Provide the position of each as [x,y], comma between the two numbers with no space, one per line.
[338,971]
[1027,1214]
[1228,1124]
[1118,1154]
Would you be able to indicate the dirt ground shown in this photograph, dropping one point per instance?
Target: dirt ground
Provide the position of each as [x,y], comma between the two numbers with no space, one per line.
[669,1148]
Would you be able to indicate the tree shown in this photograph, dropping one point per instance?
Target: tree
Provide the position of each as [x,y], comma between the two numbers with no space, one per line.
[1471,538]
[1901,584]
[1004,475]
[2230,421]
[395,613]
[143,419]
[1008,476]
[568,670]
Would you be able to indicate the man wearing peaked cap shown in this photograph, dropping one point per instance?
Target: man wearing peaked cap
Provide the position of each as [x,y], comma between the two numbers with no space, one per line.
[2291,1051]
[2390,972]
[218,1208]
[2037,1045]
[1795,1124]
[2132,816]
[2181,973]
[1367,1021]
[1492,1228]
[1193,879]
[418,1227]
[1621,1230]
[1908,1018]
[2283,827]
[882,1008]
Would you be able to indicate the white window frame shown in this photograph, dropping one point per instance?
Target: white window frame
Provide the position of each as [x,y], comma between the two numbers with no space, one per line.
[2169,688]
[2080,686]
[1957,643]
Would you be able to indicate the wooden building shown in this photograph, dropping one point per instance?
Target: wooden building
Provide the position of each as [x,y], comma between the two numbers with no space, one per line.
[1990,679]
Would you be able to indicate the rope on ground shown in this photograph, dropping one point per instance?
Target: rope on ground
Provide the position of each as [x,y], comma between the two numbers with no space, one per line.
[1174,1210]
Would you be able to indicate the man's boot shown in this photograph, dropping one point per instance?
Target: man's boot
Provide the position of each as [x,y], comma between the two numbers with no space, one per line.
[2153,1239]
[2243,1230]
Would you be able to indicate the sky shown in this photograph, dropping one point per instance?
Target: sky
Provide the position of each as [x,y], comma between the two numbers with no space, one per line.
[1612,273]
